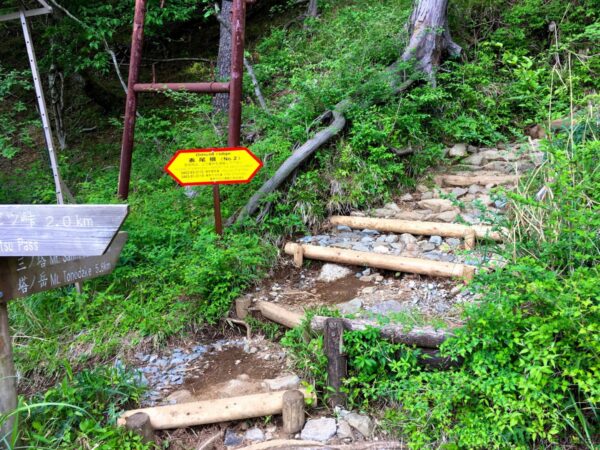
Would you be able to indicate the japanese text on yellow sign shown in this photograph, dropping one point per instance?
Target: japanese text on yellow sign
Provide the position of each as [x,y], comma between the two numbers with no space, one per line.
[213,166]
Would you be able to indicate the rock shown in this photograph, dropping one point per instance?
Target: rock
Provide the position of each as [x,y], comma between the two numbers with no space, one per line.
[500,204]
[436,240]
[458,150]
[382,249]
[437,204]
[370,232]
[383,212]
[422,188]
[434,256]
[453,242]
[426,246]
[397,246]
[333,272]
[283,383]
[178,397]
[406,198]
[367,272]
[427,195]
[474,189]
[351,307]
[411,250]
[406,238]
[381,238]
[447,216]
[472,149]
[387,307]
[361,248]
[367,240]
[412,215]
[344,431]
[344,228]
[391,206]
[391,238]
[363,424]
[459,192]
[476,159]
[254,435]
[232,439]
[319,429]
[369,290]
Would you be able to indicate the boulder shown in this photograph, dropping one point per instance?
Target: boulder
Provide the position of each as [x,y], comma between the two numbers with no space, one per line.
[437,205]
[319,429]
[458,150]
[333,272]
[363,424]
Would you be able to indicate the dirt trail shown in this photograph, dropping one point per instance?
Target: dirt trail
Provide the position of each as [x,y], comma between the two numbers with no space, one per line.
[470,191]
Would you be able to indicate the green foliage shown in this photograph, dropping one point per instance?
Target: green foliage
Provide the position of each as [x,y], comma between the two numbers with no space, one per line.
[81,411]
[13,134]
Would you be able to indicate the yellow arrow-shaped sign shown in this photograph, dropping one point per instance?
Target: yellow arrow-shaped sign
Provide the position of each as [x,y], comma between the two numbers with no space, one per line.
[213,166]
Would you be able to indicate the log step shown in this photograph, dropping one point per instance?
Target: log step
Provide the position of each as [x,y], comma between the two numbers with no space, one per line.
[419,228]
[213,411]
[387,262]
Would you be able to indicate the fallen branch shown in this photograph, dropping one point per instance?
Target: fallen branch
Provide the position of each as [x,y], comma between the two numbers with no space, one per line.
[380,261]
[210,441]
[427,337]
[297,158]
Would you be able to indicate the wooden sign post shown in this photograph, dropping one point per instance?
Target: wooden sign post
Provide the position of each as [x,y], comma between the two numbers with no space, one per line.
[63,230]
[214,166]
[43,247]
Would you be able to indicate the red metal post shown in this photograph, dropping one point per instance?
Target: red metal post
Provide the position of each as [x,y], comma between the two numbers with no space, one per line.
[238,26]
[137,41]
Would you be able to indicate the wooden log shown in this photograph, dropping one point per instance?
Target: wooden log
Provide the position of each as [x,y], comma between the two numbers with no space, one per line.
[417,227]
[213,411]
[293,412]
[280,315]
[427,337]
[299,257]
[140,423]
[484,180]
[241,307]
[388,262]
[8,385]
[337,365]
[470,240]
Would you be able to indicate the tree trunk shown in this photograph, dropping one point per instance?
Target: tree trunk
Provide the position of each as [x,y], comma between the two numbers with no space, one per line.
[429,36]
[221,101]
[313,8]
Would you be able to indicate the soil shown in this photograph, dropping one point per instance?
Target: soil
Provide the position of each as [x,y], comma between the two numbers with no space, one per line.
[228,365]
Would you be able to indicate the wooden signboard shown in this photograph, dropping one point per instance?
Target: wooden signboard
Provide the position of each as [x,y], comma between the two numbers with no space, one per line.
[24,276]
[58,230]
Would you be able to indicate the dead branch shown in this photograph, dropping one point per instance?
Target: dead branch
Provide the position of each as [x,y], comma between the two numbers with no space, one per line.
[297,158]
